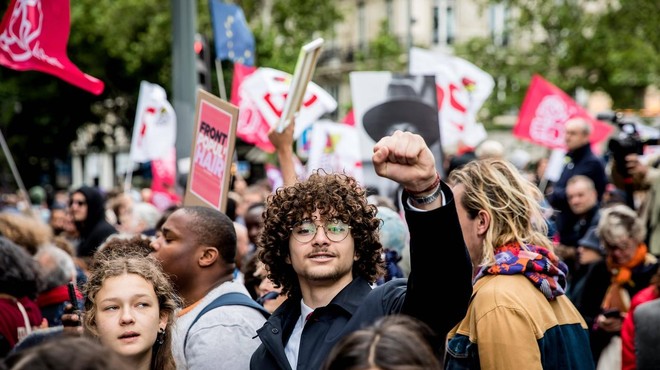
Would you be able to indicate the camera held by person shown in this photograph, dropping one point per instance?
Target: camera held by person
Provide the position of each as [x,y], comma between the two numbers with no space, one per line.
[627,141]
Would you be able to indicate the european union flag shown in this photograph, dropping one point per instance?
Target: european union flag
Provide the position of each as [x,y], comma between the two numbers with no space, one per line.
[233,38]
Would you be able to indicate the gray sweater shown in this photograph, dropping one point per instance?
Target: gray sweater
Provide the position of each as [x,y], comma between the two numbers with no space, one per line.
[224,338]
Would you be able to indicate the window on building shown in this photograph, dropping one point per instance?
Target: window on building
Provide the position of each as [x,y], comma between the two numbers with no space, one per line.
[390,15]
[436,25]
[498,15]
[444,22]
[362,26]
[451,23]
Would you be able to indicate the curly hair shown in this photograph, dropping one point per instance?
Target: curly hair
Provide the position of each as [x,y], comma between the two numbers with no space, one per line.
[334,196]
[148,269]
[512,202]
[118,246]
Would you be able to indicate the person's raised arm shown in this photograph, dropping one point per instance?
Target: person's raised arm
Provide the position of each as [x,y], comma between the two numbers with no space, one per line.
[435,232]
[283,143]
[405,158]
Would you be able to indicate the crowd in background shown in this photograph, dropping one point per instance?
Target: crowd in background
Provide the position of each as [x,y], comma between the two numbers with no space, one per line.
[606,236]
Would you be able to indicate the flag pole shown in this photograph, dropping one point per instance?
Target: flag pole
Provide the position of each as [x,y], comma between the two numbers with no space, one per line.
[128,177]
[221,80]
[14,170]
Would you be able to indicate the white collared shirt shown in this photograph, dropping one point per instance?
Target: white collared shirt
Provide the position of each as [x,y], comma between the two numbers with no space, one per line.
[292,347]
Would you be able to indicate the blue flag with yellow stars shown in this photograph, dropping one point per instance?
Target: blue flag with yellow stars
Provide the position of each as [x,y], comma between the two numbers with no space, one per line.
[233,37]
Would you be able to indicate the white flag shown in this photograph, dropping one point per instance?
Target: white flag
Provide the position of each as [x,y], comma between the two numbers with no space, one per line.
[268,88]
[462,88]
[335,147]
[154,130]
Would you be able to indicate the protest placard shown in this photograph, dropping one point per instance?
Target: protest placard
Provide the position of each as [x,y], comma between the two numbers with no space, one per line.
[212,148]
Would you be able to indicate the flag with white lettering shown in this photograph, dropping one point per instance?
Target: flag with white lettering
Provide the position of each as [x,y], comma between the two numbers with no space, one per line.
[34,36]
[545,110]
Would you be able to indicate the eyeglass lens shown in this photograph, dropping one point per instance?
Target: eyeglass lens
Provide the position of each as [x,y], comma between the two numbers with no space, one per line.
[335,230]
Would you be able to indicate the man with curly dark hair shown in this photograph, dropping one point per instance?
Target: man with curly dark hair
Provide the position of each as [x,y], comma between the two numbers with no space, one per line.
[320,243]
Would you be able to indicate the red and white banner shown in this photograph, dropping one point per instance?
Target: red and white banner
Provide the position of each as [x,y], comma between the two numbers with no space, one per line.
[154,130]
[34,36]
[267,88]
[544,111]
[461,89]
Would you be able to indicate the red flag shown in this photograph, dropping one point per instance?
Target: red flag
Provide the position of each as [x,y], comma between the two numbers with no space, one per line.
[34,36]
[545,110]
[240,72]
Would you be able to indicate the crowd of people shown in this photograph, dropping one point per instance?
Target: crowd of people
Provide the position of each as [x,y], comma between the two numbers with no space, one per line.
[321,273]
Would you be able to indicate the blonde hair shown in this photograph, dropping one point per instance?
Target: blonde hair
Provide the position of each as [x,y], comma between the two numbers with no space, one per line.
[512,202]
[28,232]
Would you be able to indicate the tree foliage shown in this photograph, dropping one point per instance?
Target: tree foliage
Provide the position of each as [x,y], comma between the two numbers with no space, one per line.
[292,24]
[385,52]
[120,42]
[123,42]
[611,46]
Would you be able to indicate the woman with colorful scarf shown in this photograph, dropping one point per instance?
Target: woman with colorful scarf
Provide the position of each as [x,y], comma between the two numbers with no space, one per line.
[630,268]
[519,316]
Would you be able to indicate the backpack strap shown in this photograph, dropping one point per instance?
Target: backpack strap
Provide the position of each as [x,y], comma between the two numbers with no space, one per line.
[228,299]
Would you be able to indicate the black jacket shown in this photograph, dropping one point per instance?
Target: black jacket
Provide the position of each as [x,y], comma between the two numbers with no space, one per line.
[440,265]
[582,161]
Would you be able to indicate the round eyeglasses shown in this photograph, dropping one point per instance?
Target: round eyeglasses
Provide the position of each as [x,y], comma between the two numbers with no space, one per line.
[334,229]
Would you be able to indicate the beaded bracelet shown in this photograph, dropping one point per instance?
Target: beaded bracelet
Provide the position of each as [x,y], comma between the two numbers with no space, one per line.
[432,187]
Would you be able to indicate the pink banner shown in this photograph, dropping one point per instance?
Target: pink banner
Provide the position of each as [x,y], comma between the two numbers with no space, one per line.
[34,36]
[545,110]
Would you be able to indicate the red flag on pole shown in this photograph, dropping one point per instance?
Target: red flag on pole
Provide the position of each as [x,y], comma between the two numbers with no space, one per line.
[545,110]
[240,72]
[34,36]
